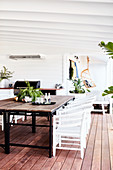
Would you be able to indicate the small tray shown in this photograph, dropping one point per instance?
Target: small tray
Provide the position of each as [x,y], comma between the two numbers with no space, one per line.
[35,103]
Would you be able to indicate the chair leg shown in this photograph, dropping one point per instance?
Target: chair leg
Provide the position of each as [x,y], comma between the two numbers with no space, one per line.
[11,119]
[2,123]
[84,141]
[15,118]
[54,143]
[2,128]
[82,145]
[59,140]
[83,138]
[82,151]
[54,150]
[103,109]
[23,118]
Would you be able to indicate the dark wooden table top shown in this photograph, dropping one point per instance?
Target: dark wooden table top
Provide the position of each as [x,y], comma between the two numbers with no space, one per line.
[11,105]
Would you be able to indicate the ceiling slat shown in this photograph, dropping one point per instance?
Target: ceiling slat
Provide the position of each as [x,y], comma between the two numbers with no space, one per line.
[57,23]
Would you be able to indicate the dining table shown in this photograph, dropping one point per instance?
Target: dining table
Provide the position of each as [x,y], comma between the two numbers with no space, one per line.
[11,107]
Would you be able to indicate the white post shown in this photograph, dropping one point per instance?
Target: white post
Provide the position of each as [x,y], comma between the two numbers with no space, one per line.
[110,72]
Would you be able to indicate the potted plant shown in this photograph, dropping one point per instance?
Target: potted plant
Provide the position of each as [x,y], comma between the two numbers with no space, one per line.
[30,92]
[5,74]
[109,49]
[79,89]
[78,86]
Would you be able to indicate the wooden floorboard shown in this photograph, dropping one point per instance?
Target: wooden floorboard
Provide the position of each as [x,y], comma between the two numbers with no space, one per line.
[110,135]
[105,146]
[96,161]
[98,154]
[77,164]
[87,162]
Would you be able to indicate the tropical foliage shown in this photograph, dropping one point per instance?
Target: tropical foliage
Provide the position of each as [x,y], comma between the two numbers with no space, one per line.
[29,91]
[109,91]
[5,74]
[78,85]
[109,49]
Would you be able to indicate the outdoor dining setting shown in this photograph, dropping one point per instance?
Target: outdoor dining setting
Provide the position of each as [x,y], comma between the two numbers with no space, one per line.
[56,85]
[67,122]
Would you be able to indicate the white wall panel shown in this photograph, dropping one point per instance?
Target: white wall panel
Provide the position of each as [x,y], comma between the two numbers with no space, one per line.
[51,70]
[48,70]
[99,75]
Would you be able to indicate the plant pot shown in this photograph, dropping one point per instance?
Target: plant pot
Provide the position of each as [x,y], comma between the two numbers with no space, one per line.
[2,84]
[79,95]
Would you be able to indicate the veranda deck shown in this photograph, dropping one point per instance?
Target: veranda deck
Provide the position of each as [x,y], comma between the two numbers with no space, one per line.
[98,154]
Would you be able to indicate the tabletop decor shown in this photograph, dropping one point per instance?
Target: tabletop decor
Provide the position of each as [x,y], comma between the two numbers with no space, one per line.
[29,93]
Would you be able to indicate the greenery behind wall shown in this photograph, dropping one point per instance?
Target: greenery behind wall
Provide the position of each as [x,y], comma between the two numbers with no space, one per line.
[109,49]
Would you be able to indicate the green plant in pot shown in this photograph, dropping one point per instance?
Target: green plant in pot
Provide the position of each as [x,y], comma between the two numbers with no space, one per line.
[30,92]
[78,85]
[5,74]
[109,49]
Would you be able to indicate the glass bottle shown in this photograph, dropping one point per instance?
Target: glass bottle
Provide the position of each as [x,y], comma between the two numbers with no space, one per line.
[46,98]
[49,98]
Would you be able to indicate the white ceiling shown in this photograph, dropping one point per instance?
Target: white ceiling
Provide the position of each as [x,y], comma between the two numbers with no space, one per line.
[71,25]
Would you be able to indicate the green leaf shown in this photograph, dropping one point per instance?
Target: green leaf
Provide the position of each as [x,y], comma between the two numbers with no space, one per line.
[110,53]
[88,90]
[106,91]
[29,91]
[104,94]
[5,74]
[108,47]
[110,88]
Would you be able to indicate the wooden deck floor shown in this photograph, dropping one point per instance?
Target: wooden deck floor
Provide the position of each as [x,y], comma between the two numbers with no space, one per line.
[98,154]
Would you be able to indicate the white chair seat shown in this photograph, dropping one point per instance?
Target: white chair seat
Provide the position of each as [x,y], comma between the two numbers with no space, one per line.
[69,131]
